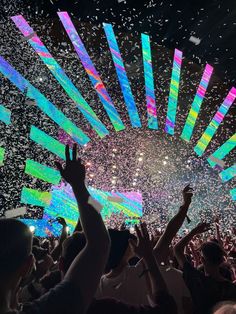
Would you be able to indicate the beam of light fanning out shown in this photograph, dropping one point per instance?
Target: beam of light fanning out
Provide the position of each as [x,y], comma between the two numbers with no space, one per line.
[43,103]
[196,105]
[35,197]
[215,122]
[174,92]
[47,142]
[2,154]
[149,82]
[233,194]
[228,174]
[60,75]
[91,71]
[42,172]
[122,76]
[222,151]
[5,115]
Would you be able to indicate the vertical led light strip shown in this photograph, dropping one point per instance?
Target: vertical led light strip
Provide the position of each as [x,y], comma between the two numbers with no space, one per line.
[91,71]
[222,151]
[2,154]
[5,115]
[35,197]
[174,92]
[228,173]
[43,103]
[42,172]
[122,76]
[215,122]
[47,142]
[233,194]
[196,105]
[149,82]
[60,75]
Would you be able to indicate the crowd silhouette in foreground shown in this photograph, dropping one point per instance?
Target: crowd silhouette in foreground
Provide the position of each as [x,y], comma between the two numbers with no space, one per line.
[102,271]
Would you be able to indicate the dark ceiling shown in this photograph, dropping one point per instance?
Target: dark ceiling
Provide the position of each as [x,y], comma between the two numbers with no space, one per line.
[171,23]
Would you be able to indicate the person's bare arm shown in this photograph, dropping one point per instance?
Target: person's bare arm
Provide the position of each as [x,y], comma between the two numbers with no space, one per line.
[161,248]
[89,265]
[56,252]
[143,249]
[179,247]
[218,234]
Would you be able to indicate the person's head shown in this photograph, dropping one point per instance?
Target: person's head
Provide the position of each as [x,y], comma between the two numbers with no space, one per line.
[225,308]
[16,259]
[212,255]
[43,261]
[71,247]
[121,251]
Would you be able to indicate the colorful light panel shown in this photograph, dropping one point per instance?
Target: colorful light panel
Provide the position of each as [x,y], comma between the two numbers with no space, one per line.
[233,194]
[91,71]
[2,154]
[42,172]
[47,142]
[228,174]
[215,122]
[5,115]
[223,150]
[122,76]
[64,204]
[149,82]
[60,75]
[196,105]
[174,92]
[42,102]
[35,197]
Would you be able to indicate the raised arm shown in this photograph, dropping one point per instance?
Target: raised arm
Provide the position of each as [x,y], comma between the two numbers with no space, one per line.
[218,234]
[161,248]
[159,292]
[179,247]
[89,265]
[56,252]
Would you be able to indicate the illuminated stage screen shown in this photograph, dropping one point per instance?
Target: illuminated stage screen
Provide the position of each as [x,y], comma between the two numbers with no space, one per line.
[141,136]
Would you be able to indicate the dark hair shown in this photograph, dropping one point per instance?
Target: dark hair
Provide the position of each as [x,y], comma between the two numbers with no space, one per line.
[119,245]
[15,245]
[71,248]
[212,252]
[50,280]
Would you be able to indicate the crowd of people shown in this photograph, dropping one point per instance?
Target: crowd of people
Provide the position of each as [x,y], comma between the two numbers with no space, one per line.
[96,270]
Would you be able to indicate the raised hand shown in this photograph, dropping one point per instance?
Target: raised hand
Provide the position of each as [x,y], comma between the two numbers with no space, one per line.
[187,194]
[202,227]
[61,221]
[74,170]
[143,247]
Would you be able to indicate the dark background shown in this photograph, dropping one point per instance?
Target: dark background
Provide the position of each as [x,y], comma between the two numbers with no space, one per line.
[171,23]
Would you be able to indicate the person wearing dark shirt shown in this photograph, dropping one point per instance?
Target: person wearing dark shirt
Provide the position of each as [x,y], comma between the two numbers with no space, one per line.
[74,294]
[210,287]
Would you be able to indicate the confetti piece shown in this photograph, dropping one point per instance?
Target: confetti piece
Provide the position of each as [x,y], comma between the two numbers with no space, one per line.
[14,213]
